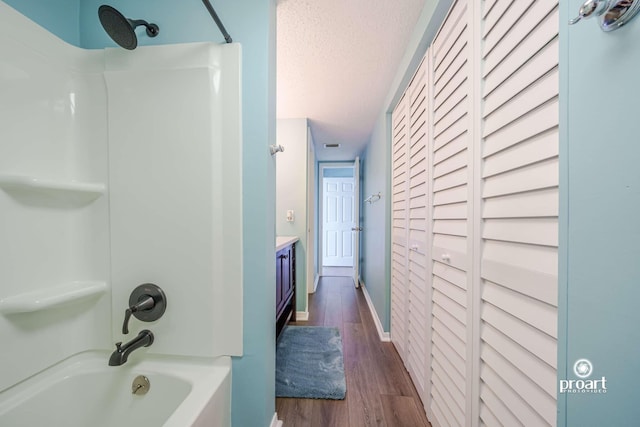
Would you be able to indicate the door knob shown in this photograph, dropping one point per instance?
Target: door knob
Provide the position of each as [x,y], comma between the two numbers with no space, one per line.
[613,13]
[356,228]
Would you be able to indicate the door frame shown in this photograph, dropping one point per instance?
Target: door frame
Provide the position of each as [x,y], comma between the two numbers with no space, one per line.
[320,182]
[357,196]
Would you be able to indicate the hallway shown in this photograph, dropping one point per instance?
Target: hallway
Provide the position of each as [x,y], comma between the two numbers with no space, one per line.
[379,390]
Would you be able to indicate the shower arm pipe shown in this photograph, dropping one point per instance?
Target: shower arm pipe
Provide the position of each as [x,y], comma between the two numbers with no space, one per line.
[217,20]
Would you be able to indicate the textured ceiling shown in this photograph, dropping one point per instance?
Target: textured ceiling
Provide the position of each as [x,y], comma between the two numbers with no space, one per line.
[336,62]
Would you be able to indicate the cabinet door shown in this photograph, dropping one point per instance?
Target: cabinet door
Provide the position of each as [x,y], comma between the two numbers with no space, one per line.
[279,281]
[287,278]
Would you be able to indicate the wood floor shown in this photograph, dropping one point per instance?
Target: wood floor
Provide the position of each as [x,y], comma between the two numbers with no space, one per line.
[379,390]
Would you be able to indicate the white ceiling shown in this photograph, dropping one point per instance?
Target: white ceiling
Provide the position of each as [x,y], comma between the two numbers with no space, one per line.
[336,62]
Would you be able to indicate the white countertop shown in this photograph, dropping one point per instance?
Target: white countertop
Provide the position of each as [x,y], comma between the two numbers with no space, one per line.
[284,241]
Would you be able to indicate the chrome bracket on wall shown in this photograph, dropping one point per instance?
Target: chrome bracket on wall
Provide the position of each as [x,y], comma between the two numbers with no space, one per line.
[273,149]
[612,14]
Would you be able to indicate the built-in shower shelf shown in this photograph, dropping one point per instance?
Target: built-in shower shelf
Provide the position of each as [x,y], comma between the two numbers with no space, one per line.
[67,191]
[44,299]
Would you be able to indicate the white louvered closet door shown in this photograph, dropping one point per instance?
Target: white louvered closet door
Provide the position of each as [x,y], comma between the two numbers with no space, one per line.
[519,260]
[475,217]
[418,303]
[399,185]
[451,189]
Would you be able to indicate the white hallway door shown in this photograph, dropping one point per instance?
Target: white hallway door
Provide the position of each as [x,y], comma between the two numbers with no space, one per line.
[338,219]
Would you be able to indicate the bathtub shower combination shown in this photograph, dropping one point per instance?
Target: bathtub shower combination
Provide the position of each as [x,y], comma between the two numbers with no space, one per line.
[120,180]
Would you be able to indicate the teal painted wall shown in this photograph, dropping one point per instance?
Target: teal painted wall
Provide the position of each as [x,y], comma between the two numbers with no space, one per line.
[252,24]
[376,234]
[375,269]
[600,219]
[60,17]
[291,194]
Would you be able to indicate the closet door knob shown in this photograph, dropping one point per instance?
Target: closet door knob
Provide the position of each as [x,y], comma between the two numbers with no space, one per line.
[446,257]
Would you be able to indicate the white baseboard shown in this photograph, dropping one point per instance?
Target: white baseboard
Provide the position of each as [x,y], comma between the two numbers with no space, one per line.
[302,316]
[384,336]
[275,422]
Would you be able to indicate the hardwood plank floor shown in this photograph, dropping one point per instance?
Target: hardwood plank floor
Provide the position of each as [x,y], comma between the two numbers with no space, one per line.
[379,389]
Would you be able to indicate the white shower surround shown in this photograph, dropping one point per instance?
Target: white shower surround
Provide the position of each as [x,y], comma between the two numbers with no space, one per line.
[175,191]
[116,168]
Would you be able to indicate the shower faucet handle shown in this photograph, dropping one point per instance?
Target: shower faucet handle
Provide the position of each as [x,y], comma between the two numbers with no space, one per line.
[147,303]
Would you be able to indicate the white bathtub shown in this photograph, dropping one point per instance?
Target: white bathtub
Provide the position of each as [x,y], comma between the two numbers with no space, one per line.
[84,391]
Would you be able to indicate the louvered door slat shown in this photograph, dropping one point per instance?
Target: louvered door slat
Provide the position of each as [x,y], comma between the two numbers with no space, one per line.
[400,198]
[534,150]
[503,60]
[417,305]
[450,227]
[519,217]
[537,371]
[521,78]
[493,11]
[544,89]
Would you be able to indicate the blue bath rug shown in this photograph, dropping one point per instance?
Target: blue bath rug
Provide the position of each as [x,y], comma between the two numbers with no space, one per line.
[309,363]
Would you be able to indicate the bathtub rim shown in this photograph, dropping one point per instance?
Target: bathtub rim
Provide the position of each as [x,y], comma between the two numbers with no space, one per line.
[206,376]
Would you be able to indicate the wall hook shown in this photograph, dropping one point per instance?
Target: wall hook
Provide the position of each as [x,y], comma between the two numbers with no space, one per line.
[612,14]
[275,149]
[373,198]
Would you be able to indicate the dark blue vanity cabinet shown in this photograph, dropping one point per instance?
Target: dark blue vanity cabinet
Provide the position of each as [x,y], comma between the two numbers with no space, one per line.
[285,286]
